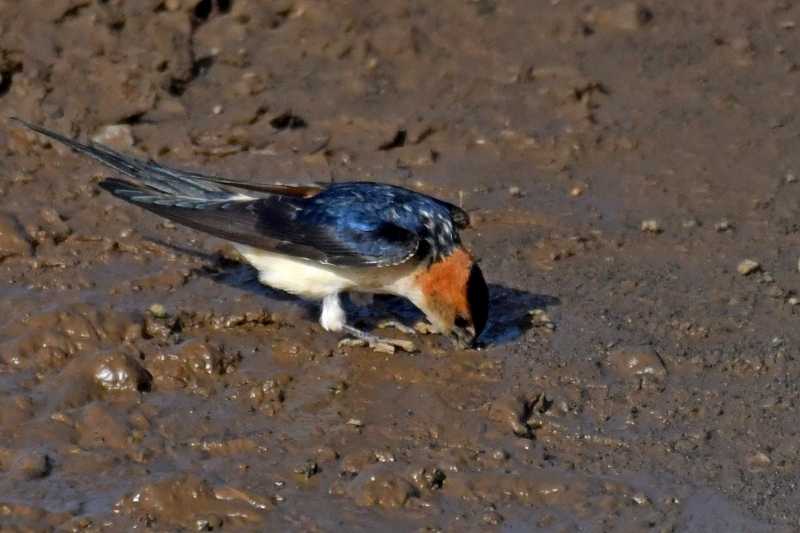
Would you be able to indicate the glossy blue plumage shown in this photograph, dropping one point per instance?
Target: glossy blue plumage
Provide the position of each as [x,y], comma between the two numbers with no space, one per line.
[370,223]
[352,224]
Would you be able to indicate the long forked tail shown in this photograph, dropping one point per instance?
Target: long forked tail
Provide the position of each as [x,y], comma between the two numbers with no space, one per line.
[266,221]
[171,181]
[146,172]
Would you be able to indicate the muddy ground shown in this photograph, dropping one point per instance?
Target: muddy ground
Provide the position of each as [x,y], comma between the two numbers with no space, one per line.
[619,161]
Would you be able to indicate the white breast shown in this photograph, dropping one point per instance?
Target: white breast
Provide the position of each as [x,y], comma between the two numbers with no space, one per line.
[313,280]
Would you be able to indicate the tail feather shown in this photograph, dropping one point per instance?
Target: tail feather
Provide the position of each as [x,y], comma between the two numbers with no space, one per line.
[172,181]
[148,172]
[144,196]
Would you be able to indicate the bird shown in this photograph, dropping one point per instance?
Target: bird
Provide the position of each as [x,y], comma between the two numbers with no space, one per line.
[321,240]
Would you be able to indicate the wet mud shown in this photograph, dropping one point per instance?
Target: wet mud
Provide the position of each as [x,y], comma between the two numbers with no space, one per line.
[631,171]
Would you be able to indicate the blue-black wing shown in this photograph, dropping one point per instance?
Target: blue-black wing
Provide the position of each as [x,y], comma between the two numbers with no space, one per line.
[283,224]
[350,224]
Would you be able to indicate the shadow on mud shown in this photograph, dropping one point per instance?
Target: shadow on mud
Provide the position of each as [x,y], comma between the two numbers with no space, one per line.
[510,313]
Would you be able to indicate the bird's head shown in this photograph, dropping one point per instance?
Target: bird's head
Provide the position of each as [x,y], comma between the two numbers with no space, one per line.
[455,297]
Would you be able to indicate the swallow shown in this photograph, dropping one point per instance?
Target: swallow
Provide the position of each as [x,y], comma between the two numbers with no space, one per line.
[319,241]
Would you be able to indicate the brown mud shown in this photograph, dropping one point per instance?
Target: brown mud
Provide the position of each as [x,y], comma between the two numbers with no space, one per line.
[619,161]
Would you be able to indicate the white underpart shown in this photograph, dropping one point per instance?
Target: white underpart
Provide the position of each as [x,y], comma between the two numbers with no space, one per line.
[317,281]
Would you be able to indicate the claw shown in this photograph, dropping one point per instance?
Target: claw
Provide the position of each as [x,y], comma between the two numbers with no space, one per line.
[379,344]
[402,328]
[425,328]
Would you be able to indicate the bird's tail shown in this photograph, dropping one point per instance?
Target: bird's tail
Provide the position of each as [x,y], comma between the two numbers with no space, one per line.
[146,174]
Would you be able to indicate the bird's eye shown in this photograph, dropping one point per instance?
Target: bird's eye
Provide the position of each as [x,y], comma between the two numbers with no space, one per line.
[461,321]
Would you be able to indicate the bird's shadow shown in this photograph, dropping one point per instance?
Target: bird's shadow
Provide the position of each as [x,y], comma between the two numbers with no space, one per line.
[511,313]
[510,310]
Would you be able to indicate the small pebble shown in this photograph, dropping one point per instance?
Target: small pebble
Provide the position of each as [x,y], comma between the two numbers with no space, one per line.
[759,459]
[633,362]
[307,469]
[515,192]
[117,135]
[793,300]
[159,311]
[651,226]
[492,518]
[790,177]
[747,267]
[776,292]
[355,422]
[723,225]
[627,16]
[540,319]
[577,190]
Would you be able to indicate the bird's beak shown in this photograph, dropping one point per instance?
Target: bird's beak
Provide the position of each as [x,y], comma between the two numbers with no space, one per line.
[462,338]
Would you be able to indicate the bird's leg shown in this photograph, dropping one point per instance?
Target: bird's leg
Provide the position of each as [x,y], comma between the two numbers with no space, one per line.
[333,319]
[364,299]
[422,327]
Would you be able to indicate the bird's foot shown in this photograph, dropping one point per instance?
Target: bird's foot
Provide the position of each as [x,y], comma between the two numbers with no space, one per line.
[379,344]
[402,328]
[425,328]
[419,328]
